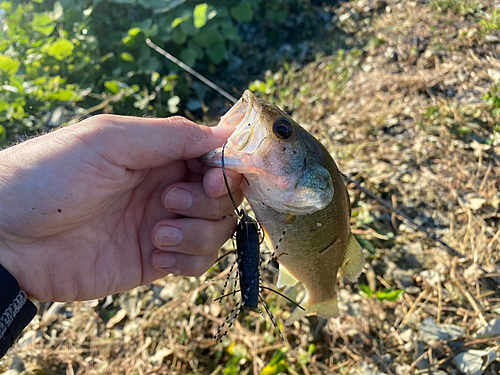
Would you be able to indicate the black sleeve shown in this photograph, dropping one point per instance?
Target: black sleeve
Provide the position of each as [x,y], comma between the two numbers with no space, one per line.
[16,310]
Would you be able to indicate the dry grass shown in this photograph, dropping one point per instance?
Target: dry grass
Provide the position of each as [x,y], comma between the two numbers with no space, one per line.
[404,115]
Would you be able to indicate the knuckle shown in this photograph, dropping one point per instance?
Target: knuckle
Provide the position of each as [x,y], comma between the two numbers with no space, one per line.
[200,266]
[203,240]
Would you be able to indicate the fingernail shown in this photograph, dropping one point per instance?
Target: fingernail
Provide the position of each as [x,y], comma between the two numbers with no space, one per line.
[178,199]
[223,132]
[168,236]
[164,260]
[223,189]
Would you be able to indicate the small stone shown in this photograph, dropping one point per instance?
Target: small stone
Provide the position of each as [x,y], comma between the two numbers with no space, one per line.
[491,39]
[413,290]
[344,17]
[407,335]
[408,347]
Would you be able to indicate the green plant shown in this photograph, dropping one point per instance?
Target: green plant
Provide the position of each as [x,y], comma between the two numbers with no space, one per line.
[240,354]
[492,98]
[462,7]
[62,60]
[49,64]
[386,294]
[277,364]
[491,23]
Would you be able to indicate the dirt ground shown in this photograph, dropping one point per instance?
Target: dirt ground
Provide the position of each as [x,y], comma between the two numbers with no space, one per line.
[411,112]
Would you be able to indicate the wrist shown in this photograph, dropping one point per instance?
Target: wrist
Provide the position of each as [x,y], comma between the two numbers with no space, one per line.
[20,269]
[16,311]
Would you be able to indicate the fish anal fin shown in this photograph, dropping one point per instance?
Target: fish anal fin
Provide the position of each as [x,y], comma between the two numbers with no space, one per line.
[353,261]
[285,278]
[326,309]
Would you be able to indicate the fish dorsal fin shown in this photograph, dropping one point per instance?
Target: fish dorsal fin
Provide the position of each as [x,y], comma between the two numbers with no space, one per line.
[284,278]
[353,261]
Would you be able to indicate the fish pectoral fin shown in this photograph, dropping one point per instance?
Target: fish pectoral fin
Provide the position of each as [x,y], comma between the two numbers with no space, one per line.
[326,309]
[285,278]
[353,261]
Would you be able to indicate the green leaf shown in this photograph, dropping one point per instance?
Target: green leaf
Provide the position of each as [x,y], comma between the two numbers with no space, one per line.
[230,32]
[390,295]
[217,53]
[3,105]
[200,15]
[152,32]
[197,49]
[154,77]
[277,364]
[107,56]
[366,289]
[126,56]
[208,38]
[62,95]
[188,57]
[188,28]
[43,23]
[8,64]
[6,5]
[238,350]
[112,86]
[3,133]
[134,31]
[179,36]
[177,21]
[311,349]
[17,82]
[60,49]
[242,12]
[151,4]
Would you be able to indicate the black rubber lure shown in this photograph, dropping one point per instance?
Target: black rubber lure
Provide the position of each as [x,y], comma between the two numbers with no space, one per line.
[249,262]
[248,258]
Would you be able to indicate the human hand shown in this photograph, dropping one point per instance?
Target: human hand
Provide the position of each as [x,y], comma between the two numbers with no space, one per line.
[111,203]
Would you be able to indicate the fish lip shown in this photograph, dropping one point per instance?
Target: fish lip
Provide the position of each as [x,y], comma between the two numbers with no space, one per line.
[244,115]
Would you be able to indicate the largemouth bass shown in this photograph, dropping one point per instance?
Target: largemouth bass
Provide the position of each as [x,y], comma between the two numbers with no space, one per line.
[297,194]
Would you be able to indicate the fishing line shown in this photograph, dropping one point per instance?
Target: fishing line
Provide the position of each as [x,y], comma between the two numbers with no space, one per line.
[348,177]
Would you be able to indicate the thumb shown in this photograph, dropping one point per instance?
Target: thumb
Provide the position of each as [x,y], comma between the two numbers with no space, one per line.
[139,143]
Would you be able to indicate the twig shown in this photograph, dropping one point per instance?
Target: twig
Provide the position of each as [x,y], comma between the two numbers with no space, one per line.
[413,307]
[422,356]
[465,292]
[440,301]
[191,71]
[482,341]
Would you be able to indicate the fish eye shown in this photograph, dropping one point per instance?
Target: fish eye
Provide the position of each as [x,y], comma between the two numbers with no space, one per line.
[282,128]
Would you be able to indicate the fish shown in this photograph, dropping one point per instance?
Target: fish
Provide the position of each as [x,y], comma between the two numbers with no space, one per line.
[297,194]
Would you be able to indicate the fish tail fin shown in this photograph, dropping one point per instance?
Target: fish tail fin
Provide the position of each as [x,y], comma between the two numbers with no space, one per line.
[326,309]
[353,261]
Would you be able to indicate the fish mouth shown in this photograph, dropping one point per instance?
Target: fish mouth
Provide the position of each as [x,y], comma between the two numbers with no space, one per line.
[245,116]
[247,137]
